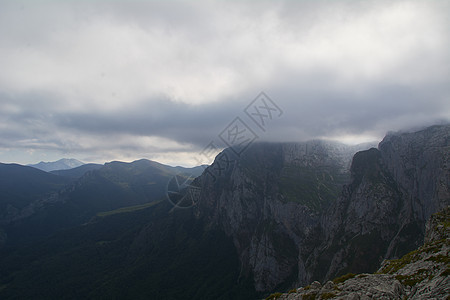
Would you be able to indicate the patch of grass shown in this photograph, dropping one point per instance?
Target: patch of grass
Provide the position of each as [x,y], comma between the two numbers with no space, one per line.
[432,248]
[312,187]
[420,271]
[293,291]
[102,243]
[327,295]
[274,296]
[410,280]
[439,259]
[413,279]
[446,272]
[309,297]
[343,278]
[362,275]
[308,287]
[397,264]
[127,209]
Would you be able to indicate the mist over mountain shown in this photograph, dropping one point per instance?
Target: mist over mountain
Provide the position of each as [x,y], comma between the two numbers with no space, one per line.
[276,217]
[297,214]
[123,80]
[232,149]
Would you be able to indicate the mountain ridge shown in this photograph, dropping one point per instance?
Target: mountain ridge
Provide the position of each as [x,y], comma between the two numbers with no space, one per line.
[61,164]
[72,197]
[376,215]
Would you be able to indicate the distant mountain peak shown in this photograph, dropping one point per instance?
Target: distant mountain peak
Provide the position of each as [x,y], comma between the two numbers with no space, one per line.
[62,164]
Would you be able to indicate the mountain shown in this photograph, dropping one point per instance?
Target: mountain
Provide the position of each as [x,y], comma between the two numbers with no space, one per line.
[20,186]
[279,216]
[169,253]
[157,251]
[74,201]
[420,274]
[296,214]
[62,164]
[21,190]
[270,201]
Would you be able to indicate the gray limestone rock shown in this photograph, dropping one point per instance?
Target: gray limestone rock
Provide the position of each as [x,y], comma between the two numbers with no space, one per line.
[297,213]
[421,274]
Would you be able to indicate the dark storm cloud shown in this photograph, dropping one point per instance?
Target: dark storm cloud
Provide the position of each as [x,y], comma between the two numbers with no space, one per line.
[178,121]
[39,120]
[379,109]
[112,80]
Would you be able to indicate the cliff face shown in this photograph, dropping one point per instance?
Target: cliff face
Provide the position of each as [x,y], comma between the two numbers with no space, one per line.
[297,212]
[270,201]
[362,222]
[382,213]
[420,163]
[420,274]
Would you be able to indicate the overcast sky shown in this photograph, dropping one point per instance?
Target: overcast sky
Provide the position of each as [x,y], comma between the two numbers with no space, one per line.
[123,80]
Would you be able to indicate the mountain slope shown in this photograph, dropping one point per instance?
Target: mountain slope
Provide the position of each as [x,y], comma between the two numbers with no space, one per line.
[20,185]
[21,191]
[77,172]
[164,253]
[146,254]
[76,201]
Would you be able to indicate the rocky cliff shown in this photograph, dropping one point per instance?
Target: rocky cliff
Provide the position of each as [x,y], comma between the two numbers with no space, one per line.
[298,212]
[270,201]
[382,213]
[420,274]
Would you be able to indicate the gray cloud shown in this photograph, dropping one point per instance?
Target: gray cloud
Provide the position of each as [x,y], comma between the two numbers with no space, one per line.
[123,80]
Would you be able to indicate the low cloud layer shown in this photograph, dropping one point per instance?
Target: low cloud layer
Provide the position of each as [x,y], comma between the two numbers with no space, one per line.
[161,79]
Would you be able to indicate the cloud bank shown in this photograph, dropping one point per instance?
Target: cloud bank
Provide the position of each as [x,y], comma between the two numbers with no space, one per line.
[123,80]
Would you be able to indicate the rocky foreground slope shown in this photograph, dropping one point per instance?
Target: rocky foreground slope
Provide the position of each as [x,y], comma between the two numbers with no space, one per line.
[420,274]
